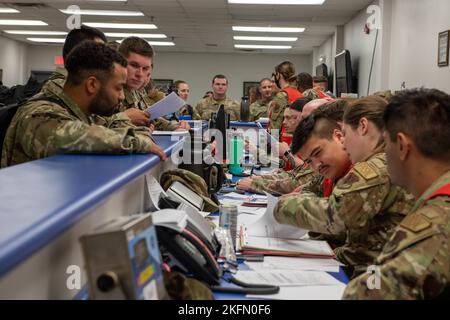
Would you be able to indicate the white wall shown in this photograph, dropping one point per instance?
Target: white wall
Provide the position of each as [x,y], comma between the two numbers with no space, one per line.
[42,58]
[327,50]
[361,47]
[414,43]
[13,56]
[199,69]
[406,48]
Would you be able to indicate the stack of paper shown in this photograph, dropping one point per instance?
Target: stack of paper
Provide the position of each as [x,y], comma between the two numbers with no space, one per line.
[286,278]
[285,247]
[267,226]
[295,264]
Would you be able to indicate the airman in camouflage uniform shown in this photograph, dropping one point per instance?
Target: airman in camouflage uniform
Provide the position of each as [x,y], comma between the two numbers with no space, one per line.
[44,128]
[208,106]
[364,205]
[276,109]
[259,109]
[414,264]
[139,99]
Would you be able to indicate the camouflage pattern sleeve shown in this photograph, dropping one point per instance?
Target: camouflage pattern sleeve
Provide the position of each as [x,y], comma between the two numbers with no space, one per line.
[282,183]
[234,109]
[162,124]
[258,110]
[414,264]
[312,94]
[352,204]
[45,134]
[198,112]
[276,110]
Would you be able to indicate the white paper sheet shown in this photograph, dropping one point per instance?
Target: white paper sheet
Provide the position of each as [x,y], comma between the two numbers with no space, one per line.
[287,278]
[296,264]
[154,190]
[288,245]
[251,210]
[305,293]
[267,226]
[170,133]
[170,104]
[244,197]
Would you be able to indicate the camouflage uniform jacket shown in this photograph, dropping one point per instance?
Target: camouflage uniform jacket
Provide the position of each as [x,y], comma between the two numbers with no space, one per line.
[259,109]
[140,99]
[415,262]
[44,128]
[55,82]
[283,183]
[209,105]
[364,205]
[276,109]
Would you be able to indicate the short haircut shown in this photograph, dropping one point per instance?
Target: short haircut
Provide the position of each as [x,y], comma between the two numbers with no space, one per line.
[322,128]
[219,76]
[136,45]
[299,104]
[91,58]
[77,36]
[372,108]
[333,110]
[305,81]
[424,115]
[320,79]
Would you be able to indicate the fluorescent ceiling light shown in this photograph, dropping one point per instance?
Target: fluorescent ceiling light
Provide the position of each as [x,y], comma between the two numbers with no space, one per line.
[36,33]
[110,0]
[140,35]
[157,43]
[9,10]
[22,23]
[276,2]
[161,43]
[267,29]
[103,13]
[256,46]
[50,40]
[120,25]
[286,39]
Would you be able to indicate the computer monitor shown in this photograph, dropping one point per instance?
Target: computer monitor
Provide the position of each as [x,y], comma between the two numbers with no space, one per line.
[322,70]
[344,75]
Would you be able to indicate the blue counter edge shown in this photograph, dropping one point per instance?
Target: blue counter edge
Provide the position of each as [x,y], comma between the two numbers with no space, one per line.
[39,235]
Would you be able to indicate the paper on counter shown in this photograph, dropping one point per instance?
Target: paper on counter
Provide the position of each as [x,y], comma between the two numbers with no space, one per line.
[170,104]
[287,278]
[267,226]
[305,293]
[251,210]
[297,264]
[243,197]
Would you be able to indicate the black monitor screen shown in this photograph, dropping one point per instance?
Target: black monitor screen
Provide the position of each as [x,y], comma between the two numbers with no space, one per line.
[343,73]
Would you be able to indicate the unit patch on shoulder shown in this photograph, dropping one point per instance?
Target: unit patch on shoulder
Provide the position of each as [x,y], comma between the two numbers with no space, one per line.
[366,171]
[415,223]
